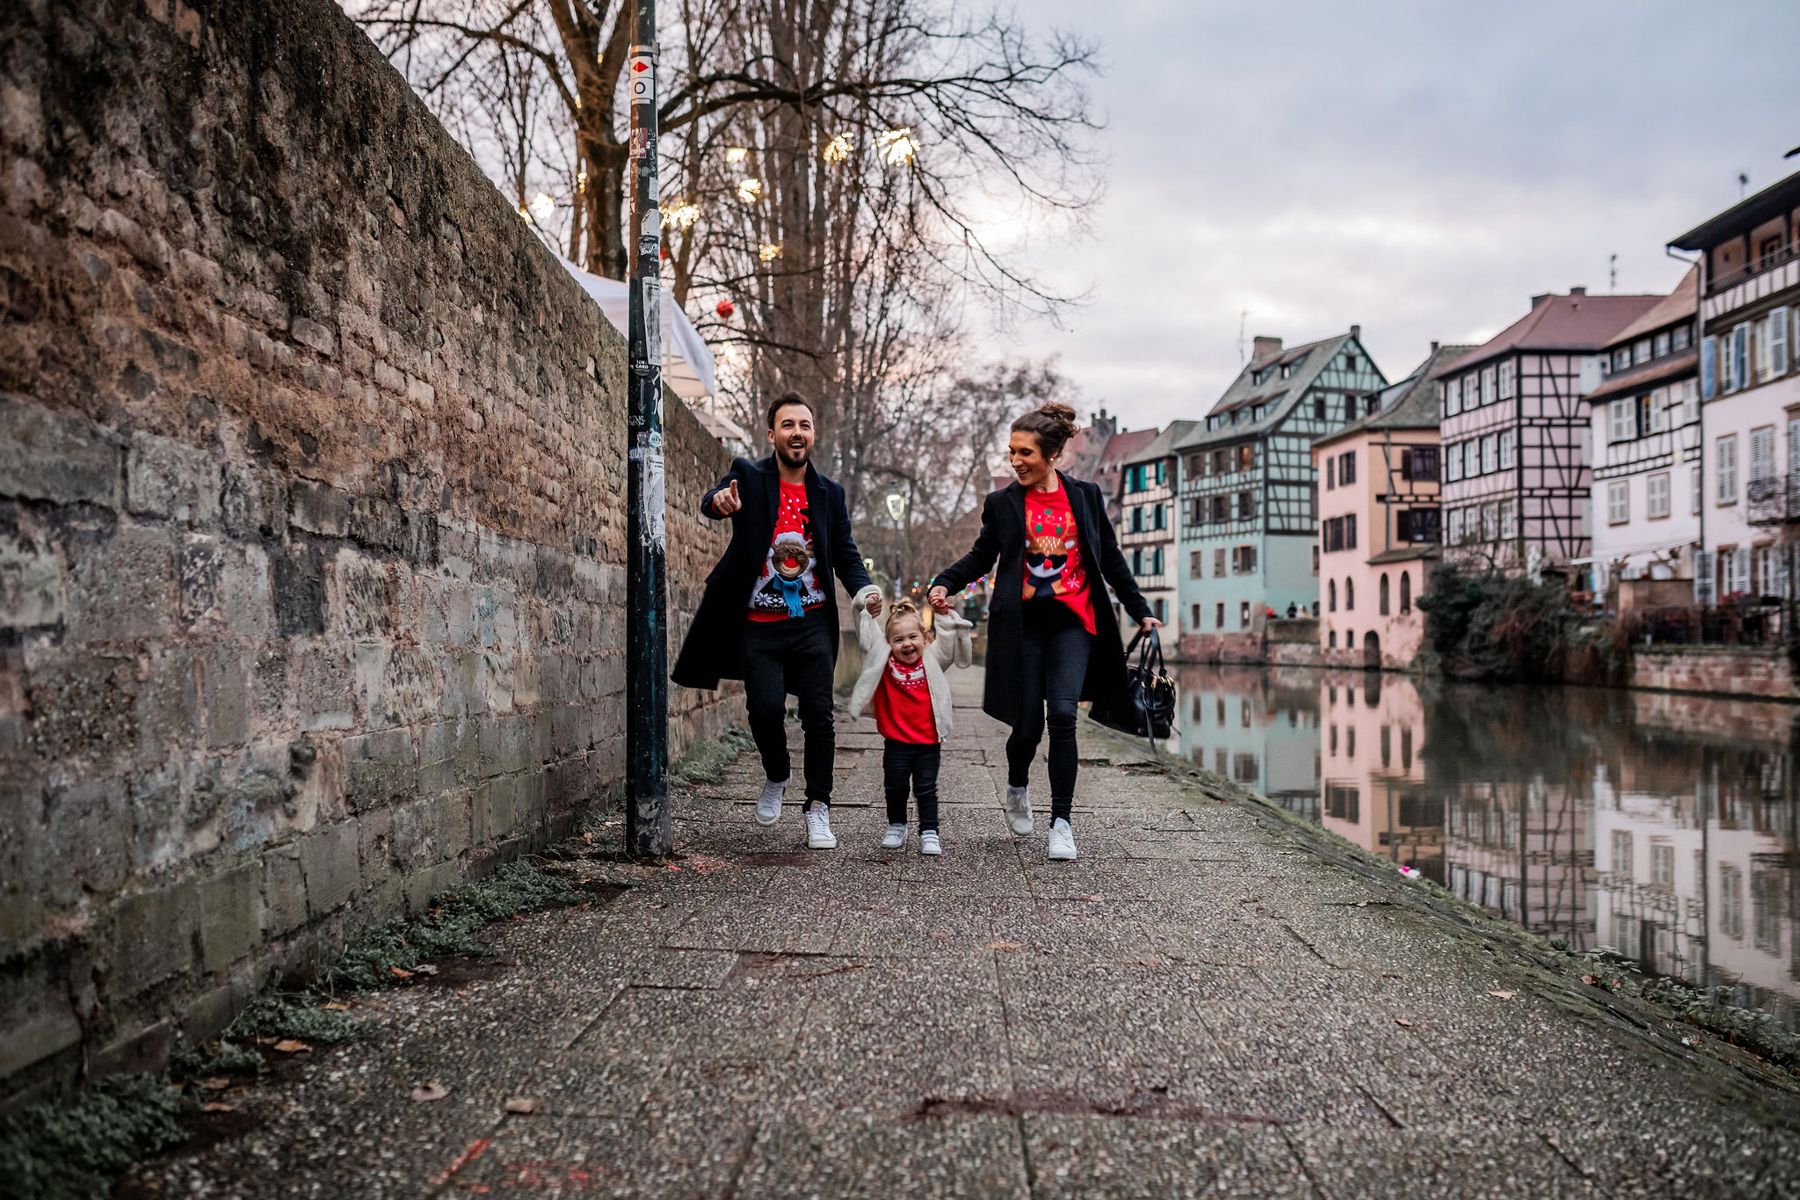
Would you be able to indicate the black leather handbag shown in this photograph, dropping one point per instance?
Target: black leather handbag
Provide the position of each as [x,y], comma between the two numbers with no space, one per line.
[1151,713]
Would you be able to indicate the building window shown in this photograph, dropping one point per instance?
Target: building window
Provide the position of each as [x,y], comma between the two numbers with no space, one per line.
[1656,494]
[1162,517]
[1315,558]
[1490,522]
[1762,462]
[1453,464]
[1246,506]
[1709,367]
[1243,614]
[1508,519]
[1416,525]
[1405,592]
[1618,502]
[1419,462]
[1347,467]
[1621,852]
[1381,604]
[1349,594]
[1331,638]
[1350,531]
[1219,561]
[1195,626]
[1505,439]
[1623,426]
[1331,595]
[1243,560]
[1471,458]
[1330,473]
[1725,458]
[1490,454]
[1453,527]
[1196,569]
[1680,337]
[1505,381]
[1219,618]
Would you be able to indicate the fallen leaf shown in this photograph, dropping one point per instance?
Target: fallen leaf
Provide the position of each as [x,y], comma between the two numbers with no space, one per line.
[521,1104]
[1499,995]
[427,1092]
[334,1006]
[1006,945]
[425,969]
[1589,980]
[1403,1023]
[942,935]
[217,1106]
[1092,898]
[215,1083]
[291,1046]
[1149,960]
[400,973]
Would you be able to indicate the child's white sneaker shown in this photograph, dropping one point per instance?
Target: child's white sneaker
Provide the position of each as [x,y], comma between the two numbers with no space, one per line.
[1018,809]
[818,828]
[929,844]
[894,838]
[768,805]
[1062,842]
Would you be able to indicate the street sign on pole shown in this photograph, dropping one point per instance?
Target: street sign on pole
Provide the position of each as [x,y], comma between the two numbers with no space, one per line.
[647,823]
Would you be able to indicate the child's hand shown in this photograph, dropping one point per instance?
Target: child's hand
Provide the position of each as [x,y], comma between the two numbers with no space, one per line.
[940,598]
[874,605]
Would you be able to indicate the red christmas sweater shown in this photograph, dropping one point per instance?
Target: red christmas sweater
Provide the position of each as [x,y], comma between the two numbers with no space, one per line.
[787,585]
[902,704]
[1053,566]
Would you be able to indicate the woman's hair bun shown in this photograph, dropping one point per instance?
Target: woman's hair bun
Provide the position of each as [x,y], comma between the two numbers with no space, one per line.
[1053,422]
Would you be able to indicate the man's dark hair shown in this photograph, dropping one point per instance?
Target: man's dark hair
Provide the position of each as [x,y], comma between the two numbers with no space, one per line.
[787,398]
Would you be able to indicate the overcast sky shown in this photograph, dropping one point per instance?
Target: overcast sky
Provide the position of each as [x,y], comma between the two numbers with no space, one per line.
[1418,167]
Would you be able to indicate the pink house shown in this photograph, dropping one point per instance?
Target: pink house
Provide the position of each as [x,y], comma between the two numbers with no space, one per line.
[1379,526]
[1515,433]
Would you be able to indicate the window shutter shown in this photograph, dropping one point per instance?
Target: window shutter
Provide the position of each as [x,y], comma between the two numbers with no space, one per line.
[1778,341]
[1708,353]
[1740,356]
[1703,577]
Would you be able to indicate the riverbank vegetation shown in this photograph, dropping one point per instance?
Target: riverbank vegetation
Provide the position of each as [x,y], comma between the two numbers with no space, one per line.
[1482,623]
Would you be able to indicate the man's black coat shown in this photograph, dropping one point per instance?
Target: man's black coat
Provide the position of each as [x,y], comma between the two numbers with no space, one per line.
[715,642]
[1002,537]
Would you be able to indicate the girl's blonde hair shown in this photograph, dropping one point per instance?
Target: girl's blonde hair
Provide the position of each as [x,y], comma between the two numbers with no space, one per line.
[906,608]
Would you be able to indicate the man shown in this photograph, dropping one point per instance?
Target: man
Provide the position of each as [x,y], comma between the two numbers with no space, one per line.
[769,612]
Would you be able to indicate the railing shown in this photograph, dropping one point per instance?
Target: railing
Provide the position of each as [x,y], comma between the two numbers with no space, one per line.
[1751,270]
[1774,500]
[1753,621]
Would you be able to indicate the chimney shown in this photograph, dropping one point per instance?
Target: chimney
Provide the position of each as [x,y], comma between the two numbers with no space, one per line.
[1262,346]
[1540,298]
[1356,333]
[1434,347]
[1575,291]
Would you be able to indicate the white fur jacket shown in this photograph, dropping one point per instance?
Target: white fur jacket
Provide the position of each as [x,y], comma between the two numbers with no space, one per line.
[954,646]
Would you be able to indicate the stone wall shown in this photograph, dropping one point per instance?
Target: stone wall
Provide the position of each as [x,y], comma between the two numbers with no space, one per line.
[311,529]
[1763,671]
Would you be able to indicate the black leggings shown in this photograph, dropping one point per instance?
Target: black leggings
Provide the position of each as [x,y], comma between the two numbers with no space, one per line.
[1053,659]
[791,656]
[905,764]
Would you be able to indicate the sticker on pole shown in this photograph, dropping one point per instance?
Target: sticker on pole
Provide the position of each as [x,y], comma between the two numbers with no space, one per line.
[652,320]
[641,70]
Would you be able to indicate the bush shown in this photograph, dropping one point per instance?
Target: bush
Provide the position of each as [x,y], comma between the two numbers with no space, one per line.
[1485,624]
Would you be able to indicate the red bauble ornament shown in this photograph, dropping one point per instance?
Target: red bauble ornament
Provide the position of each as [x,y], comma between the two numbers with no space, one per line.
[725,308]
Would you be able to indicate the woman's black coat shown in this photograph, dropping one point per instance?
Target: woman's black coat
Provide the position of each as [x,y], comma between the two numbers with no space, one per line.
[715,642]
[1002,537]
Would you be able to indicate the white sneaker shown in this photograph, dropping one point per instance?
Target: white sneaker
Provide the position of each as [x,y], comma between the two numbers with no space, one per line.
[768,805]
[1062,842]
[1018,809]
[894,838]
[818,828]
[929,844]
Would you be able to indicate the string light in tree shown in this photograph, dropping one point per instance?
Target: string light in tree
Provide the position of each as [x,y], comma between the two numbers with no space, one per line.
[898,147]
[682,214]
[724,308]
[749,190]
[542,207]
[736,154]
[769,251]
[837,149]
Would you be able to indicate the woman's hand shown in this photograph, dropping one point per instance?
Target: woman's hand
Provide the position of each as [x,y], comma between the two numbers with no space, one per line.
[1149,623]
[940,598]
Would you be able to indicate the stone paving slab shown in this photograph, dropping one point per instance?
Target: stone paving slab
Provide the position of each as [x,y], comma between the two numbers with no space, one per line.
[1210,1001]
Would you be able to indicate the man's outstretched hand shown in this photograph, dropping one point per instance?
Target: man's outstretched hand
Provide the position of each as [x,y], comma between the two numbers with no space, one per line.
[727,502]
[940,598]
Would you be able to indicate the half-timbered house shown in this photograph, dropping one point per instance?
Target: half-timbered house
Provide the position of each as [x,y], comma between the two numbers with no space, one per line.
[1749,393]
[1379,521]
[1146,519]
[1515,430]
[1247,490]
[1645,432]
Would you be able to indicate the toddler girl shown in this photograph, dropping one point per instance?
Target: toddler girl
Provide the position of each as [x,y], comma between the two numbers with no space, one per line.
[903,681]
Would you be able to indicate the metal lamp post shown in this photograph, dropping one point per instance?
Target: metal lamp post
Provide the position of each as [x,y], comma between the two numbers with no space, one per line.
[896,506]
[647,822]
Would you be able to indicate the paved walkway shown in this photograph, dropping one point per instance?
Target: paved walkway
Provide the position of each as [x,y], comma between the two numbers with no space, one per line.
[1211,1001]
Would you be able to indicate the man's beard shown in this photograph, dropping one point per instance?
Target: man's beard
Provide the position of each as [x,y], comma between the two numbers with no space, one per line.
[792,458]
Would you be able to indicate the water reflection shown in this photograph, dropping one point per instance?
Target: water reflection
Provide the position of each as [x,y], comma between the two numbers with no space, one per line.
[1661,826]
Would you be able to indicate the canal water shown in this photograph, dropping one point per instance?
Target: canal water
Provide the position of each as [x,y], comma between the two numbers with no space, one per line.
[1660,826]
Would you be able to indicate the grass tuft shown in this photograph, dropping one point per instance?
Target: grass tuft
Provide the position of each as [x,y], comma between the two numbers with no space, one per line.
[76,1148]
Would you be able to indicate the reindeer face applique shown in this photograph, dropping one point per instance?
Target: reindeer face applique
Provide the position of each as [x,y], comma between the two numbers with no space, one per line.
[787,585]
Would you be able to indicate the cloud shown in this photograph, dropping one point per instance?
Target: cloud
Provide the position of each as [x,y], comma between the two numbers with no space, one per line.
[1417,168]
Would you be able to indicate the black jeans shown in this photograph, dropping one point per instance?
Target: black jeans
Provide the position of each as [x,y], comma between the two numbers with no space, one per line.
[783,658]
[914,764]
[1053,659]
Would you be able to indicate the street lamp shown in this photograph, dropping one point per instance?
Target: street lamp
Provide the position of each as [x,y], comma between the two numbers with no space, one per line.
[896,506]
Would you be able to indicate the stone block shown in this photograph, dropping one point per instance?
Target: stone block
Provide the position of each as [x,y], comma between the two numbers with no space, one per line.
[84,706]
[155,935]
[230,916]
[37,1017]
[168,478]
[381,769]
[283,891]
[299,590]
[314,336]
[225,682]
[415,837]
[495,813]
[452,818]
[31,585]
[57,456]
[123,588]
[168,704]
[330,860]
[319,508]
[325,685]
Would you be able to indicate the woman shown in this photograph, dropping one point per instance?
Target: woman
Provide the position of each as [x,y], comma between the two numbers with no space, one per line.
[1052,640]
